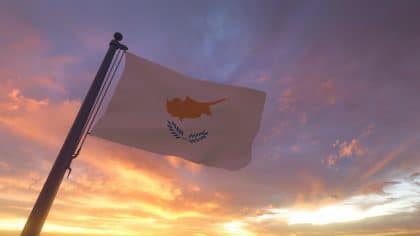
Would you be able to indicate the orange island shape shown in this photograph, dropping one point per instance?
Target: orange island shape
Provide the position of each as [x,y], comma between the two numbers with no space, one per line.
[189,108]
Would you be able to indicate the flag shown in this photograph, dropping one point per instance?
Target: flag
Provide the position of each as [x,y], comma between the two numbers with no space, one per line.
[162,111]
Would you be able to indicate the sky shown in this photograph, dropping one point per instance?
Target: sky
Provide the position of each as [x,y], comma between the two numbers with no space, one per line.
[337,151]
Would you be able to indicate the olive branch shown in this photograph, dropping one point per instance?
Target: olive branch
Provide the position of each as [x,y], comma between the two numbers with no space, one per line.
[175,130]
[197,137]
[178,133]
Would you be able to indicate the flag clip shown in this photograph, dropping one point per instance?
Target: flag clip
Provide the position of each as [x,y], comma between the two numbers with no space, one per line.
[69,165]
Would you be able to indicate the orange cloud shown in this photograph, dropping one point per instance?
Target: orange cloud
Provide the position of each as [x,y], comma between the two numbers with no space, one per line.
[178,162]
[345,150]
[39,120]
[349,149]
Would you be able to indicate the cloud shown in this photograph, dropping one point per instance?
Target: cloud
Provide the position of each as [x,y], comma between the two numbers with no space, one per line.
[349,149]
[345,150]
[178,162]
[388,158]
[369,129]
[377,188]
[398,197]
[287,100]
[33,119]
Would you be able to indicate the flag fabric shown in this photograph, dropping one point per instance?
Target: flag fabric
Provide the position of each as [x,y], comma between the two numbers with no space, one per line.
[162,111]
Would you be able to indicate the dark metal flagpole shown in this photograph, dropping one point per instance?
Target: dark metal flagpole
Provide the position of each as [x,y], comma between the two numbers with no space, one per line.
[46,197]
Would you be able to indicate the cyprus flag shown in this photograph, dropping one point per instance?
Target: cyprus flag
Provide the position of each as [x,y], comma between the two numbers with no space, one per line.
[162,111]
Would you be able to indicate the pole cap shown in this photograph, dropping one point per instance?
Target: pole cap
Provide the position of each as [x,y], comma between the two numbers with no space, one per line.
[118,36]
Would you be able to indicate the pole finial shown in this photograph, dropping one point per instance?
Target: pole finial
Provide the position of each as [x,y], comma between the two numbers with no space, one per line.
[118,36]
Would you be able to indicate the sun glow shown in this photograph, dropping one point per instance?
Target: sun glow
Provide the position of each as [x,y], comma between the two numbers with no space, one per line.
[236,228]
[324,215]
[12,224]
[399,198]
[16,224]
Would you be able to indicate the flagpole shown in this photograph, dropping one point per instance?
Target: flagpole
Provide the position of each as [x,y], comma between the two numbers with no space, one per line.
[46,197]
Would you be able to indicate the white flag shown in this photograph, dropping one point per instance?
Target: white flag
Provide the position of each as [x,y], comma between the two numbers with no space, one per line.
[162,111]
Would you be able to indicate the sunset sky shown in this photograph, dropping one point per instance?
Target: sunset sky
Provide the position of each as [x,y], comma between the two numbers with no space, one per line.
[337,152]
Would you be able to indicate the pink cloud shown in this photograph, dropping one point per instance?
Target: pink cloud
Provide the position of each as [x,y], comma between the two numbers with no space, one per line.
[367,131]
[349,149]
[287,100]
[345,150]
